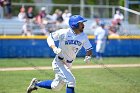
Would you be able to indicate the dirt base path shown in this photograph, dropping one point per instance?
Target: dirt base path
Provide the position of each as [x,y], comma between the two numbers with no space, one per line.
[74,67]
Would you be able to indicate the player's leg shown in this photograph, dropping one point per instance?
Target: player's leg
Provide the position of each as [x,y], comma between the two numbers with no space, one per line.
[64,76]
[55,84]
[103,44]
[98,48]
[70,84]
[44,84]
[35,84]
[70,79]
[58,83]
[60,79]
[70,90]
[32,85]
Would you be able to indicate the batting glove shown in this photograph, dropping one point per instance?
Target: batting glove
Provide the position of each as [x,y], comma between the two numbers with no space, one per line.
[57,50]
[87,59]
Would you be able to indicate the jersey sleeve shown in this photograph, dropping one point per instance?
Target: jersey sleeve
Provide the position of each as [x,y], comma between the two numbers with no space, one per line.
[57,34]
[87,45]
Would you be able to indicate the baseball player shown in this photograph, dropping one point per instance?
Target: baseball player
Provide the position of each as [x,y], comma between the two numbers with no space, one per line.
[71,40]
[100,39]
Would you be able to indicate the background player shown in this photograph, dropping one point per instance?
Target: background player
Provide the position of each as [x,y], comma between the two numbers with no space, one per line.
[100,39]
[70,42]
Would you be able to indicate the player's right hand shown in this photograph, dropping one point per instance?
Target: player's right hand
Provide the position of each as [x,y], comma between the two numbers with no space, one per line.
[57,50]
[87,59]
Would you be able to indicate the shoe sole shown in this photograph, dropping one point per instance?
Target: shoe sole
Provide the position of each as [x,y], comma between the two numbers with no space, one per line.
[31,83]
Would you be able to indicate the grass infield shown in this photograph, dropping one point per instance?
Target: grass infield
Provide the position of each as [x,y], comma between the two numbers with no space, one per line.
[97,80]
[120,80]
[27,62]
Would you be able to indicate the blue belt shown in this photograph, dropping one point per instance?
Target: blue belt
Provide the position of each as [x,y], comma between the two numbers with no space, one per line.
[61,58]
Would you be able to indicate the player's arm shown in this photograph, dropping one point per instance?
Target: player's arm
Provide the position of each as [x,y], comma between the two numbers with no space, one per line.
[88,56]
[50,41]
[87,45]
[89,53]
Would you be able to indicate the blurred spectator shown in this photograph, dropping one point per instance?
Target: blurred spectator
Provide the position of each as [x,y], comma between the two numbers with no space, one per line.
[41,17]
[54,21]
[61,23]
[55,15]
[31,18]
[66,15]
[30,15]
[59,18]
[1,8]
[118,17]
[95,23]
[27,28]
[113,28]
[8,8]
[22,14]
[41,20]
[59,15]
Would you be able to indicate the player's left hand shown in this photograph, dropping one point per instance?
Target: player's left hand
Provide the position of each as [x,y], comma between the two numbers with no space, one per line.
[87,59]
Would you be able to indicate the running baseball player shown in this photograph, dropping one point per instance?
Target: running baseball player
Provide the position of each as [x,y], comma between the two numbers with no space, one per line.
[71,40]
[100,39]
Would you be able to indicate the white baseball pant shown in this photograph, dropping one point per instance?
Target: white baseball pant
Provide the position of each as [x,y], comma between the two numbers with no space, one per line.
[63,75]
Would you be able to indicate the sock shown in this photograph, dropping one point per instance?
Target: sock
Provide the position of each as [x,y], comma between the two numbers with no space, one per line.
[101,55]
[45,84]
[70,90]
[97,55]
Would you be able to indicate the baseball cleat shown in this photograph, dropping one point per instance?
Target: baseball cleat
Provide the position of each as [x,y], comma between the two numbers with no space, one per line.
[32,86]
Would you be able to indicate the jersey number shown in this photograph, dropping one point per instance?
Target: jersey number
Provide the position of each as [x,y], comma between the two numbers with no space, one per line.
[75,50]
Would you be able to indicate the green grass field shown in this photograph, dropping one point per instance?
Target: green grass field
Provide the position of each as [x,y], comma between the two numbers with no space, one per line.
[24,62]
[99,80]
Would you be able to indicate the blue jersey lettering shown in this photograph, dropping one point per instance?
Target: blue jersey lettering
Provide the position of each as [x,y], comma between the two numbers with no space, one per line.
[74,42]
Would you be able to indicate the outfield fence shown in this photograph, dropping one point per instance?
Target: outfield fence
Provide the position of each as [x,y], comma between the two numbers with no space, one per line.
[36,46]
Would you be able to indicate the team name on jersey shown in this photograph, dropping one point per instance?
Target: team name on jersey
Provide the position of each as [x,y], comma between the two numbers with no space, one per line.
[75,42]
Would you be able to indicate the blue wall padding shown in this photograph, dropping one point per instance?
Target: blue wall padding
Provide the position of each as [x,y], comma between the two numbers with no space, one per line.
[12,48]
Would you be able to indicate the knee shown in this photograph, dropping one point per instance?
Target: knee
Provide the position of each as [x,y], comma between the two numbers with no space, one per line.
[57,86]
[71,83]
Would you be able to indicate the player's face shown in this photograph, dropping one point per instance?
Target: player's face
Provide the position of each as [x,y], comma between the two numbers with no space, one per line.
[81,27]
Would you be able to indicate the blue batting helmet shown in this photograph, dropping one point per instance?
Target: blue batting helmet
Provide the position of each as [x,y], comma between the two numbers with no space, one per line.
[102,23]
[74,20]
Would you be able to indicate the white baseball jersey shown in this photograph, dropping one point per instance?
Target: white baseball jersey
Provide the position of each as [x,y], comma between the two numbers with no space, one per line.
[101,36]
[70,43]
[100,33]
[118,16]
